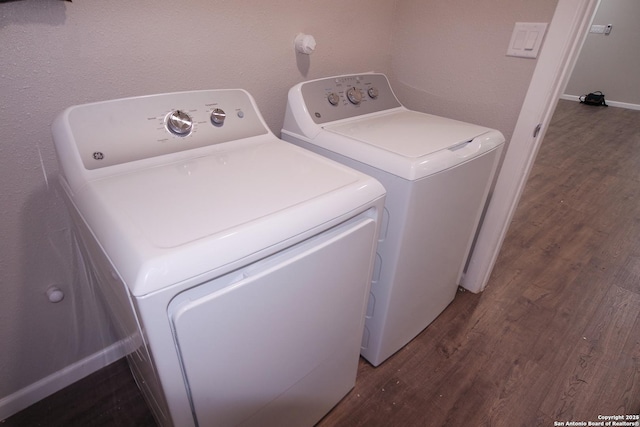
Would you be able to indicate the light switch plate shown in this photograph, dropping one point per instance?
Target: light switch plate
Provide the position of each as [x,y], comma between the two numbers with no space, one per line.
[526,39]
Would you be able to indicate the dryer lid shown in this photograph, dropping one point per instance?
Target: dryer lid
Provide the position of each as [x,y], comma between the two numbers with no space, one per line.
[408,133]
[164,224]
[179,203]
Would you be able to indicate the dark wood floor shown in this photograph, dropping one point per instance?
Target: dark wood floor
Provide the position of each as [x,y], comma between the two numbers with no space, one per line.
[554,337]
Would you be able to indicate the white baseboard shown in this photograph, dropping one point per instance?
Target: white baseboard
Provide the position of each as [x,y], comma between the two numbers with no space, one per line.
[609,103]
[31,394]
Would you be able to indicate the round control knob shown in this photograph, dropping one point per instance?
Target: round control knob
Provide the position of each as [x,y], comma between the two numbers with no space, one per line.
[373,92]
[218,116]
[354,96]
[179,123]
[333,98]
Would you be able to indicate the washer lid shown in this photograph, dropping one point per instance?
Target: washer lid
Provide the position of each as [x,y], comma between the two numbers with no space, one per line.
[164,224]
[408,133]
[406,143]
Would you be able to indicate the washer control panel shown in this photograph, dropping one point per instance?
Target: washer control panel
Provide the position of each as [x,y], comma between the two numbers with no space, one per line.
[343,97]
[125,130]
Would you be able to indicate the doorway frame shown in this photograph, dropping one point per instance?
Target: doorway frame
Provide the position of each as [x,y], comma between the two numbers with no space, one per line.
[564,40]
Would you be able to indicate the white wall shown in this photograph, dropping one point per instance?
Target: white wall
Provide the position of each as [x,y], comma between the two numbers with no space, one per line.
[442,57]
[610,63]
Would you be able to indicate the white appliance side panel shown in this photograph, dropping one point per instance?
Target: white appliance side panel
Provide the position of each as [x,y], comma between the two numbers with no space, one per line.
[110,287]
[423,246]
[279,346]
[442,215]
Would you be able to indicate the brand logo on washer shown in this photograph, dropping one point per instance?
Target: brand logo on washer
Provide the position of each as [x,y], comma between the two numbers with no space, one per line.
[98,155]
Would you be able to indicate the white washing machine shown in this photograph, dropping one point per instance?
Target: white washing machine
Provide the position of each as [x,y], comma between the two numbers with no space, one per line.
[237,266]
[437,173]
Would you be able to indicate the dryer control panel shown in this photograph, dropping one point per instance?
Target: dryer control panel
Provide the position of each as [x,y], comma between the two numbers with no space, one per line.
[348,96]
[121,131]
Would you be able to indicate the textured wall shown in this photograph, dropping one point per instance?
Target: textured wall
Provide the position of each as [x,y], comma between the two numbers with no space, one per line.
[56,54]
[611,63]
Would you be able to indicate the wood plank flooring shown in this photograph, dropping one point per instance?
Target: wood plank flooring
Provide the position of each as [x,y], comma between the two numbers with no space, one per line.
[554,338]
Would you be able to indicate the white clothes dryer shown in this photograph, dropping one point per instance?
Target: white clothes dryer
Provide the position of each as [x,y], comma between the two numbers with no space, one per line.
[237,266]
[437,173]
